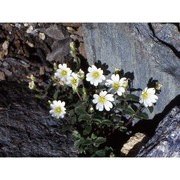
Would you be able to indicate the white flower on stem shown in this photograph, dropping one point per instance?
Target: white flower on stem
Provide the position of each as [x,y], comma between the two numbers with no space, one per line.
[148,97]
[95,75]
[103,100]
[73,81]
[63,72]
[118,85]
[57,109]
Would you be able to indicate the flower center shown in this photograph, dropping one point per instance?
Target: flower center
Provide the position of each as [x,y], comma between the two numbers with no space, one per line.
[116,86]
[102,99]
[63,72]
[145,95]
[95,74]
[58,110]
[74,81]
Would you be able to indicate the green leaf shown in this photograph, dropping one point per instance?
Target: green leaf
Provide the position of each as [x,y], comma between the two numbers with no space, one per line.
[76,134]
[80,109]
[142,116]
[100,140]
[55,96]
[132,97]
[100,153]
[121,98]
[119,105]
[87,130]
[77,143]
[93,136]
[123,129]
[97,121]
[129,111]
[87,142]
[106,122]
[151,108]
[85,117]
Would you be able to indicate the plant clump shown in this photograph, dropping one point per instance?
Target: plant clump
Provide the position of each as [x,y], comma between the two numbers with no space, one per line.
[95,104]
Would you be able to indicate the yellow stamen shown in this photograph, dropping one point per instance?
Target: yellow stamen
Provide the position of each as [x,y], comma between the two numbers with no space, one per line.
[96,74]
[63,72]
[102,99]
[116,85]
[145,95]
[58,110]
[74,81]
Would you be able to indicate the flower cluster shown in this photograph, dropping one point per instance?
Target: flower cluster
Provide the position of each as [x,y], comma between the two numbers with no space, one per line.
[32,84]
[65,75]
[95,76]
[96,104]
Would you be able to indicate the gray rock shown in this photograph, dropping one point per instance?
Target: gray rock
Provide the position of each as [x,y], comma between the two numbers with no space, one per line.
[59,50]
[56,32]
[60,46]
[147,50]
[166,140]
[27,129]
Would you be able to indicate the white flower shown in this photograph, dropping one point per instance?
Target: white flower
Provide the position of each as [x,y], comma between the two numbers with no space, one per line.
[148,97]
[57,109]
[118,85]
[103,100]
[73,80]
[95,75]
[63,72]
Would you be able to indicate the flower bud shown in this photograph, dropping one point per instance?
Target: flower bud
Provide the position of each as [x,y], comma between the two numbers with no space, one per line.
[81,74]
[91,109]
[31,77]
[32,85]
[125,84]
[55,66]
[158,86]
[116,71]
[72,46]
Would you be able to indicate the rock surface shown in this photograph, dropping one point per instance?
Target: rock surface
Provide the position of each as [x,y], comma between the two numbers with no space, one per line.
[133,145]
[147,50]
[26,128]
[166,141]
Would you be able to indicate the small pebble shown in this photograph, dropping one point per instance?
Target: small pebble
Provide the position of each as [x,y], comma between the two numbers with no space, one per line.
[30,44]
[42,36]
[5,45]
[26,24]
[30,29]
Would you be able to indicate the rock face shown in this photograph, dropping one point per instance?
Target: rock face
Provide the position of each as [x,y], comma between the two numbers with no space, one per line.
[26,128]
[166,141]
[147,50]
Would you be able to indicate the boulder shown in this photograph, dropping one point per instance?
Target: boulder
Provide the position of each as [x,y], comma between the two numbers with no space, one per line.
[166,140]
[149,51]
[27,129]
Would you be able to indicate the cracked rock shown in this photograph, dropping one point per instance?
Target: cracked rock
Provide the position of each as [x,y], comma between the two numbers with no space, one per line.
[135,48]
[166,140]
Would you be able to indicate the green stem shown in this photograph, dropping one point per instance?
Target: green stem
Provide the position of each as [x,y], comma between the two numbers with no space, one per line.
[124,106]
[79,96]
[133,116]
